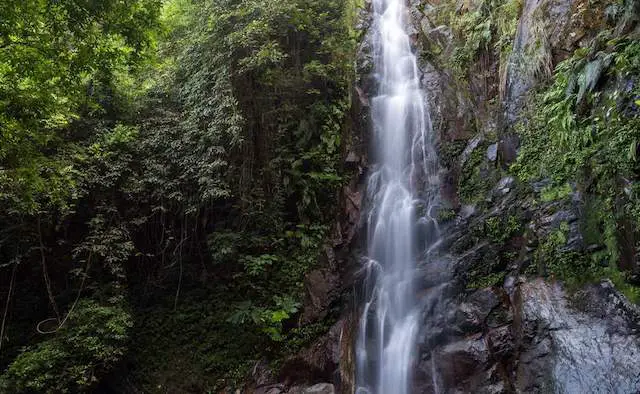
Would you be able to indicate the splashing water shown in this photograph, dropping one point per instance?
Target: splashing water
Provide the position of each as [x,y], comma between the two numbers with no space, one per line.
[402,193]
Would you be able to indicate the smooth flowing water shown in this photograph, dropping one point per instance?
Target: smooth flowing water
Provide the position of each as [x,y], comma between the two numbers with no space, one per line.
[402,192]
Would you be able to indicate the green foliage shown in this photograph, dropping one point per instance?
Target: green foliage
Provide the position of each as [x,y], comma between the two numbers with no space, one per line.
[250,138]
[476,26]
[621,282]
[500,229]
[480,27]
[555,193]
[53,60]
[300,337]
[449,152]
[583,130]
[498,246]
[93,340]
[490,266]
[479,281]
[576,140]
[476,176]
[576,268]
[445,215]
[552,260]
[188,153]
[268,320]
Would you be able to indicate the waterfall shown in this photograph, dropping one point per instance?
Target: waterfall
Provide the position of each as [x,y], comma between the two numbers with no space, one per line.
[402,192]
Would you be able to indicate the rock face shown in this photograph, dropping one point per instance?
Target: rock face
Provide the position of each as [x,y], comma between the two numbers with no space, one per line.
[490,325]
[589,347]
[509,333]
[320,388]
[538,340]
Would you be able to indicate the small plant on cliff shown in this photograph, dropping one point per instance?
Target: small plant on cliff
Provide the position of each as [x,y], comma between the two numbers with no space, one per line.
[481,27]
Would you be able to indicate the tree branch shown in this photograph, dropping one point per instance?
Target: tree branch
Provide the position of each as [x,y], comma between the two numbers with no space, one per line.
[46,275]
[6,308]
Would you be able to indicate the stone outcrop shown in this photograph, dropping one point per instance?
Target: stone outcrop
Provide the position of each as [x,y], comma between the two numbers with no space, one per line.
[538,339]
[490,325]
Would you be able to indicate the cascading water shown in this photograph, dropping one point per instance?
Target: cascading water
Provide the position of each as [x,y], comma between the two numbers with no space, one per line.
[402,191]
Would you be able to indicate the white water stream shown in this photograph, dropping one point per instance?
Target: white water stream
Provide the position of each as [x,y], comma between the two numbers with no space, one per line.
[402,192]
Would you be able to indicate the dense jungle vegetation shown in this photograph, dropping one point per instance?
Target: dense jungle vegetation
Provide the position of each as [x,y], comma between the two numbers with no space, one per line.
[168,173]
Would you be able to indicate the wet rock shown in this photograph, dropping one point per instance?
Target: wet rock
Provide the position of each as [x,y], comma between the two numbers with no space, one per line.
[554,343]
[412,32]
[501,342]
[471,146]
[449,189]
[604,302]
[554,220]
[318,362]
[540,185]
[508,149]
[520,74]
[441,36]
[534,372]
[425,25]
[261,374]
[509,283]
[528,337]
[271,389]
[501,314]
[352,205]
[466,211]
[566,218]
[352,158]
[582,352]
[462,362]
[321,388]
[505,185]
[436,272]
[322,287]
[471,315]
[575,241]
[492,152]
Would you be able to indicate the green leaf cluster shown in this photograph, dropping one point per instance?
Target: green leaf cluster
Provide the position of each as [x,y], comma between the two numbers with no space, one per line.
[478,28]
[583,129]
[57,60]
[183,158]
[93,340]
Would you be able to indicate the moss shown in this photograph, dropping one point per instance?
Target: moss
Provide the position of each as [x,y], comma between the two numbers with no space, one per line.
[450,151]
[473,183]
[445,215]
[620,280]
[479,281]
[487,267]
[300,337]
[500,229]
[484,27]
[555,193]
[502,232]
